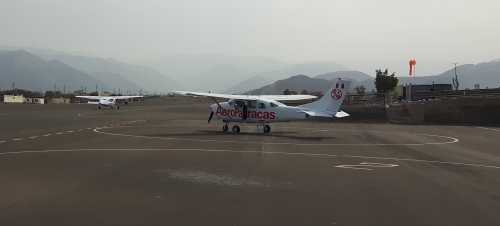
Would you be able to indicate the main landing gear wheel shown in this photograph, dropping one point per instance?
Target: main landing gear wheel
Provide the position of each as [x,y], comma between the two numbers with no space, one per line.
[225,128]
[267,129]
[236,129]
[117,107]
[98,107]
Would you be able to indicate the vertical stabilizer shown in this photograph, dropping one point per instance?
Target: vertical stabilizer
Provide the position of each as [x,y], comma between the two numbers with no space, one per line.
[333,98]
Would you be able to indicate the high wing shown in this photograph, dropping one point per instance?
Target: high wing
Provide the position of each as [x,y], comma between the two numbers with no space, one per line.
[247,97]
[114,97]
[89,97]
[124,97]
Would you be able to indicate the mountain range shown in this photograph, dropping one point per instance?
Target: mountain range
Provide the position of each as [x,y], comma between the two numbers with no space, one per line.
[487,75]
[203,72]
[31,72]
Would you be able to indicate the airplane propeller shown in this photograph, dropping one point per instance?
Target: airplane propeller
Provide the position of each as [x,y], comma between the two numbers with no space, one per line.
[211,115]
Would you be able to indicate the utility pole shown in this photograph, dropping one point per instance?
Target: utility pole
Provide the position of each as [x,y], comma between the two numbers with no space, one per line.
[455,80]
[12,86]
[96,88]
[55,88]
[64,89]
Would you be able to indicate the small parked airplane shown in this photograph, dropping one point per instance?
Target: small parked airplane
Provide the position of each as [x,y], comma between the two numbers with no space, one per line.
[264,109]
[107,100]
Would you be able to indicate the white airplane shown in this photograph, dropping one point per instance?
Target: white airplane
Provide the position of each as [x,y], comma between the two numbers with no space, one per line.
[107,100]
[264,109]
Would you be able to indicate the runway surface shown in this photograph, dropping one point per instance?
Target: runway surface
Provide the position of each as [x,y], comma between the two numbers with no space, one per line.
[158,162]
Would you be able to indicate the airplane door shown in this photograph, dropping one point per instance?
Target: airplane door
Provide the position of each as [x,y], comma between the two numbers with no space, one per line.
[245,110]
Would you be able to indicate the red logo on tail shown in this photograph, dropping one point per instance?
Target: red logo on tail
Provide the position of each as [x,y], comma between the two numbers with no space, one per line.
[336,94]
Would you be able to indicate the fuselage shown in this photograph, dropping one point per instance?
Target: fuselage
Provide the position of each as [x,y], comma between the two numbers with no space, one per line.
[104,101]
[256,111]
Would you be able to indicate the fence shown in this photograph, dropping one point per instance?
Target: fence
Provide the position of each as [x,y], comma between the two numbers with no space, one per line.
[365,99]
[477,93]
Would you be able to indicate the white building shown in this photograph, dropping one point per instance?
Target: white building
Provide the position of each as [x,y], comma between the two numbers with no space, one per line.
[34,100]
[13,99]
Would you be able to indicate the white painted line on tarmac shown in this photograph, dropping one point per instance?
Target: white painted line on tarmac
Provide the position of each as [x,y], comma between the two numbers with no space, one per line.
[1,141]
[452,140]
[79,130]
[33,137]
[17,139]
[367,166]
[70,131]
[59,133]
[46,135]
[498,130]
[265,152]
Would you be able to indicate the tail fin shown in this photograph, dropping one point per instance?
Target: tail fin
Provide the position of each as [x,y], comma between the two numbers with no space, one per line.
[331,101]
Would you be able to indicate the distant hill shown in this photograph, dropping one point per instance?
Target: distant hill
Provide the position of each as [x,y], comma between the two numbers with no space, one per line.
[117,82]
[355,75]
[216,78]
[295,83]
[485,74]
[183,67]
[31,72]
[247,85]
[496,60]
[143,76]
[309,69]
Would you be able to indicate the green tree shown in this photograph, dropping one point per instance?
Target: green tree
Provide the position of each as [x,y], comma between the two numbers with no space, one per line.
[49,94]
[293,93]
[286,92]
[360,89]
[385,82]
[304,92]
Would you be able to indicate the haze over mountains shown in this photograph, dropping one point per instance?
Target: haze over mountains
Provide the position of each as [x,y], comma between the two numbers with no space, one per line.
[203,72]
[31,72]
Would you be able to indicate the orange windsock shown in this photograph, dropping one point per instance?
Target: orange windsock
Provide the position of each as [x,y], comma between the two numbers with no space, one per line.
[412,63]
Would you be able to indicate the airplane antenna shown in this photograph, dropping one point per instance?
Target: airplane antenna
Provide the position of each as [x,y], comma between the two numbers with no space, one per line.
[264,90]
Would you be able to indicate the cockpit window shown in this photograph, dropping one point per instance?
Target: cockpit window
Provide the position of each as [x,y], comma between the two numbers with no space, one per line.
[239,103]
[230,103]
[276,104]
[252,104]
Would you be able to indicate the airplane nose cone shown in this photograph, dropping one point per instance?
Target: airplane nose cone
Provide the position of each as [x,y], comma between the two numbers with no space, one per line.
[213,107]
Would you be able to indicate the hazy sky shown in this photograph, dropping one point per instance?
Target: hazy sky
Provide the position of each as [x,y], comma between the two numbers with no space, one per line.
[289,30]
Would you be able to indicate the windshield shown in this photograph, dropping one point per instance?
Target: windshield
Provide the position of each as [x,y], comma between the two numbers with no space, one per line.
[276,104]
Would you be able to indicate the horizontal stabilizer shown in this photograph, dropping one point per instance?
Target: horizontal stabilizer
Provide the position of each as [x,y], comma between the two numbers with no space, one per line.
[341,114]
[316,113]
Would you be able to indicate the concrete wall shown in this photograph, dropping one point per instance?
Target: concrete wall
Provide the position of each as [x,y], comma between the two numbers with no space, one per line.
[417,112]
[59,100]
[463,111]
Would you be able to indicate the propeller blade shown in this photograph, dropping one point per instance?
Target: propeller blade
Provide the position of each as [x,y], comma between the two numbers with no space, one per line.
[211,115]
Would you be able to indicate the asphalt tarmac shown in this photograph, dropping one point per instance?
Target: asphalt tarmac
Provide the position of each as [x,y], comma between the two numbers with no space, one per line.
[158,162]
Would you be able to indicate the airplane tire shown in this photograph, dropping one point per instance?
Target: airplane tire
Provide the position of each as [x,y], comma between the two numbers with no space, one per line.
[117,107]
[236,129]
[225,128]
[99,107]
[267,129]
